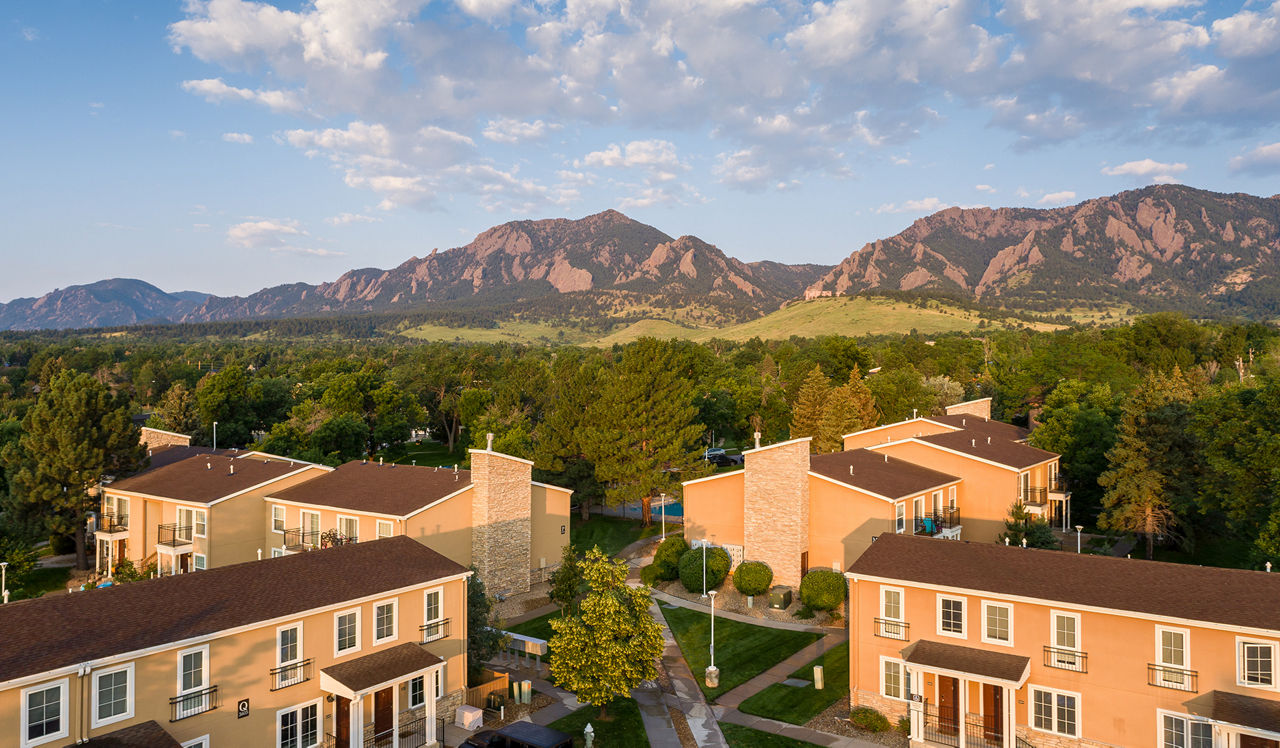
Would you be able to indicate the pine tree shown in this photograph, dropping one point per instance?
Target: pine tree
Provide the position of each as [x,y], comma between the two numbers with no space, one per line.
[811,403]
[566,581]
[610,644]
[557,440]
[864,402]
[484,636]
[177,411]
[75,434]
[641,433]
[839,417]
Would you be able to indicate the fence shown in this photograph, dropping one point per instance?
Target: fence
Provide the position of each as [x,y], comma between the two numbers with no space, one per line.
[478,696]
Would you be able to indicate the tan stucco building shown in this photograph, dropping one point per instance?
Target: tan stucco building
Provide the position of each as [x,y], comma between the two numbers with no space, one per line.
[361,642]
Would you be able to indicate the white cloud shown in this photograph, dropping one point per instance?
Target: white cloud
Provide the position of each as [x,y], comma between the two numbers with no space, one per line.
[1145,168]
[510,130]
[237,137]
[215,90]
[657,155]
[264,234]
[1249,33]
[30,34]
[1058,198]
[308,251]
[925,205]
[1265,160]
[988,167]
[900,161]
[177,134]
[985,188]
[346,219]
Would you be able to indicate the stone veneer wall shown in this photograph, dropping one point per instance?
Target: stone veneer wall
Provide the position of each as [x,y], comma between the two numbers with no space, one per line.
[447,707]
[154,438]
[972,408]
[776,508]
[891,708]
[501,521]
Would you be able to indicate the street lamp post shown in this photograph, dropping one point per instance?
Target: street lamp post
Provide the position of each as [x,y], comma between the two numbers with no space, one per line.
[713,674]
[4,579]
[704,567]
[215,435]
[663,509]
[1079,528]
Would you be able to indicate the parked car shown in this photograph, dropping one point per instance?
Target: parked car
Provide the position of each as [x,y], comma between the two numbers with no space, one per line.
[720,458]
[520,735]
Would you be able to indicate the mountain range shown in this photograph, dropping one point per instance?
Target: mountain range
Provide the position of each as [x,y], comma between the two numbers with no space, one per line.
[1157,247]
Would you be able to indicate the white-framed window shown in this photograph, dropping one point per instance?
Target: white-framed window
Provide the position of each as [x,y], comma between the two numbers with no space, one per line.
[433,614]
[186,523]
[349,527]
[1065,631]
[277,552]
[891,611]
[277,519]
[199,561]
[895,679]
[346,631]
[417,692]
[310,526]
[951,616]
[1173,656]
[1024,486]
[298,726]
[44,713]
[385,528]
[1257,663]
[917,510]
[200,742]
[200,523]
[384,621]
[1178,731]
[437,679]
[112,695]
[900,517]
[289,652]
[1056,712]
[951,497]
[937,500]
[193,679]
[997,623]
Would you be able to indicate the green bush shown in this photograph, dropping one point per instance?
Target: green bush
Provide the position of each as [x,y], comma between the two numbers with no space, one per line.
[753,577]
[822,589]
[667,557]
[718,563]
[869,719]
[904,724]
[804,612]
[649,575]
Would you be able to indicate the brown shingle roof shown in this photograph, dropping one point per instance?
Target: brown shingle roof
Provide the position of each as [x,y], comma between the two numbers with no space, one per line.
[50,632]
[169,454]
[999,665]
[892,479]
[1226,596]
[383,489]
[995,449]
[1237,709]
[983,426]
[205,478]
[142,735]
[371,670]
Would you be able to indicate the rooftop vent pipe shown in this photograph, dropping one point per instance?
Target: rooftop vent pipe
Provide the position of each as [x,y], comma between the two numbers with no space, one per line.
[488,442]
[757,436]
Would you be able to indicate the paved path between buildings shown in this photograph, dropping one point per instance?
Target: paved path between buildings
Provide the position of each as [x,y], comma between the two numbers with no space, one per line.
[663,597]
[816,737]
[687,698]
[67,561]
[782,670]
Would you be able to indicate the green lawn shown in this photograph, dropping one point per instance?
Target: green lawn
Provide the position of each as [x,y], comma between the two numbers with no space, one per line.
[40,581]
[799,705]
[738,736]
[428,453]
[612,534]
[743,651]
[622,729]
[538,628]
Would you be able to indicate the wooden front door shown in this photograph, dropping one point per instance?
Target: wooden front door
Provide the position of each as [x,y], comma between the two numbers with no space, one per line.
[992,712]
[184,563]
[804,563]
[383,714]
[342,720]
[1251,741]
[948,703]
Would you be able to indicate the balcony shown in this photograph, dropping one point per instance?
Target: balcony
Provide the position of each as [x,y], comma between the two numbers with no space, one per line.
[1066,659]
[298,539]
[193,703]
[173,536]
[1177,678]
[290,675]
[943,523]
[889,628]
[434,630]
[331,538]
[110,524]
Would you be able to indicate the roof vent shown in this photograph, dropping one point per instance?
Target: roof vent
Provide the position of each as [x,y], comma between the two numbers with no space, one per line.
[962,422]
[1024,542]
[208,466]
[851,470]
[233,469]
[988,440]
[488,442]
[757,438]
[1006,541]
[379,462]
[974,442]
[455,467]
[415,463]
[1268,567]
[886,457]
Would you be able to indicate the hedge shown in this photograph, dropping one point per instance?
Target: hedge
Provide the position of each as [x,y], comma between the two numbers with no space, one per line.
[869,719]
[822,589]
[667,558]
[718,563]
[753,577]
[649,574]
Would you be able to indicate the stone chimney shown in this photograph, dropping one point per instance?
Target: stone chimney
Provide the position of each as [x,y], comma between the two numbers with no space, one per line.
[776,508]
[501,520]
[980,408]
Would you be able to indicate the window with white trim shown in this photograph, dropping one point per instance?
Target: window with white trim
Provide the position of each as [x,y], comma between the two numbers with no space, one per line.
[997,623]
[951,497]
[1179,732]
[1257,663]
[193,680]
[385,528]
[937,500]
[346,631]
[1066,631]
[186,522]
[200,742]
[277,552]
[199,561]
[277,519]
[1171,656]
[298,727]
[288,644]
[310,526]
[895,679]
[44,713]
[1024,486]
[899,517]
[112,695]
[1057,712]
[417,692]
[950,616]
[917,510]
[433,614]
[349,527]
[200,520]
[892,623]
[384,622]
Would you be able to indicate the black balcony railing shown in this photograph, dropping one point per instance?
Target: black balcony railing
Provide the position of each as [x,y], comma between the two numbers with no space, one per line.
[1058,484]
[434,630]
[936,523]
[331,538]
[1066,659]
[191,704]
[109,522]
[1177,678]
[889,628]
[299,539]
[173,535]
[1035,495]
[290,675]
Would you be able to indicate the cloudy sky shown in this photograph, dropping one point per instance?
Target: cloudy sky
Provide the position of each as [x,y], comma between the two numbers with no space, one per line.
[224,145]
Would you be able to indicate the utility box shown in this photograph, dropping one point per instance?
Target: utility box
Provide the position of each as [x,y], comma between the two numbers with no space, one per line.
[780,597]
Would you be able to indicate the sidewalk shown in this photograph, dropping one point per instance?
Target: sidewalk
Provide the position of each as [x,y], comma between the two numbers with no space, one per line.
[765,622]
[687,698]
[792,731]
[782,670]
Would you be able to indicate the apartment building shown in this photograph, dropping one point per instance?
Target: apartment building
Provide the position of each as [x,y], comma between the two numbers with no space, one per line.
[198,512]
[352,646]
[495,516]
[952,476]
[983,645]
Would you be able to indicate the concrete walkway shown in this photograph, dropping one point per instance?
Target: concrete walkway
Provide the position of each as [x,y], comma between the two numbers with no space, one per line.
[792,731]
[767,623]
[782,670]
[687,698]
[67,561]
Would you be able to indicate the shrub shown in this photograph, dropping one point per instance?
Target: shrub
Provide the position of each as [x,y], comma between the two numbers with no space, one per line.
[822,589]
[804,612]
[718,563]
[869,719]
[61,545]
[649,575]
[904,724]
[753,577]
[667,558]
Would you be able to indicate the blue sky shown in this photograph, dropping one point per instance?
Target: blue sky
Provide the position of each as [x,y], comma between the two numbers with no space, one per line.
[224,146]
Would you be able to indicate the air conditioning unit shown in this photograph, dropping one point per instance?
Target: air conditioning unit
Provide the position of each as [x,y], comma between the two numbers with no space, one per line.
[780,597]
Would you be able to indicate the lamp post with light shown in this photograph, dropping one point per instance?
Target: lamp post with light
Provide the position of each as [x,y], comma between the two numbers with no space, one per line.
[704,567]
[4,579]
[1079,529]
[215,436]
[713,673]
